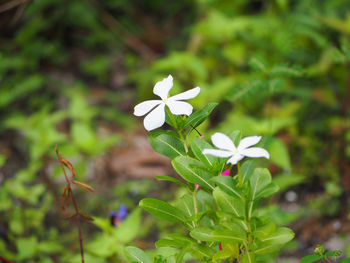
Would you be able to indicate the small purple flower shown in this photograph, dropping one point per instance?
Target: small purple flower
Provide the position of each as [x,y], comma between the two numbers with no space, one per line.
[118,216]
[123,212]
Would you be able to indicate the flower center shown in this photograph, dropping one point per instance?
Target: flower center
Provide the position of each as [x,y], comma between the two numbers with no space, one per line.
[165,100]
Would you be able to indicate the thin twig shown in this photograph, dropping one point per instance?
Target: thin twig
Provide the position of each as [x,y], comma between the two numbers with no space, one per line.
[19,12]
[80,239]
[68,194]
[10,5]
[197,131]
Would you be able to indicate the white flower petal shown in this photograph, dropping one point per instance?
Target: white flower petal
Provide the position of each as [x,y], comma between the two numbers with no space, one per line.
[144,107]
[222,141]
[155,118]
[162,87]
[235,158]
[190,94]
[180,107]
[218,153]
[248,141]
[256,152]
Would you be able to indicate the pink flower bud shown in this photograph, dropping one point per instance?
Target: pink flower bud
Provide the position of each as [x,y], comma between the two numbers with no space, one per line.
[226,172]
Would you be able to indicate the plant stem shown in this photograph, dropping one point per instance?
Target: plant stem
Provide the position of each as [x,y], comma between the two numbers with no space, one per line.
[172,118]
[240,179]
[195,207]
[177,128]
[76,208]
[80,239]
[79,226]
[195,201]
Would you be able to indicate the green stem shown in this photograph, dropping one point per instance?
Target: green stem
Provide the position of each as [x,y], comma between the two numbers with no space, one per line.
[182,137]
[194,196]
[222,168]
[172,118]
[240,179]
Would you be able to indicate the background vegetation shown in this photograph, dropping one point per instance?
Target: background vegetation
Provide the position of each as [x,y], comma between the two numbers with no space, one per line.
[71,72]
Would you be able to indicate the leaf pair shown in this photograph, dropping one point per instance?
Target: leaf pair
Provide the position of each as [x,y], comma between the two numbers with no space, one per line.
[194,120]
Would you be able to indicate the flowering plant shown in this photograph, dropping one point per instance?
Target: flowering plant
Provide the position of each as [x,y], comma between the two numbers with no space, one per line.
[220,214]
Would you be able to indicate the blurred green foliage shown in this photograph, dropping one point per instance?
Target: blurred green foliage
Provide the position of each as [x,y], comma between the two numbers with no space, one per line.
[281,68]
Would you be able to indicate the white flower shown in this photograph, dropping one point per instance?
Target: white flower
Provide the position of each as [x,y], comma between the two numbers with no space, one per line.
[229,149]
[156,117]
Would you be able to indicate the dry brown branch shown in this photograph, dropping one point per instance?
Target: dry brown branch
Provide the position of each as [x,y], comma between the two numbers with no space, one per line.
[69,195]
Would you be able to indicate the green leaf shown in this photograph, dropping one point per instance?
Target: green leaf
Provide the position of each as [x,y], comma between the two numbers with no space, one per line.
[235,136]
[166,242]
[180,241]
[2,160]
[286,181]
[212,162]
[137,255]
[266,248]
[170,179]
[26,247]
[24,87]
[198,216]
[247,170]
[181,254]
[281,236]
[222,254]
[179,120]
[311,258]
[345,260]
[278,153]
[284,70]
[193,171]
[199,116]
[228,185]
[265,230]
[260,179]
[84,136]
[218,235]
[246,90]
[228,250]
[270,189]
[185,203]
[106,244]
[166,143]
[49,247]
[129,228]
[248,257]
[229,203]
[201,251]
[162,210]
[180,237]
[258,64]
[103,223]
[334,253]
